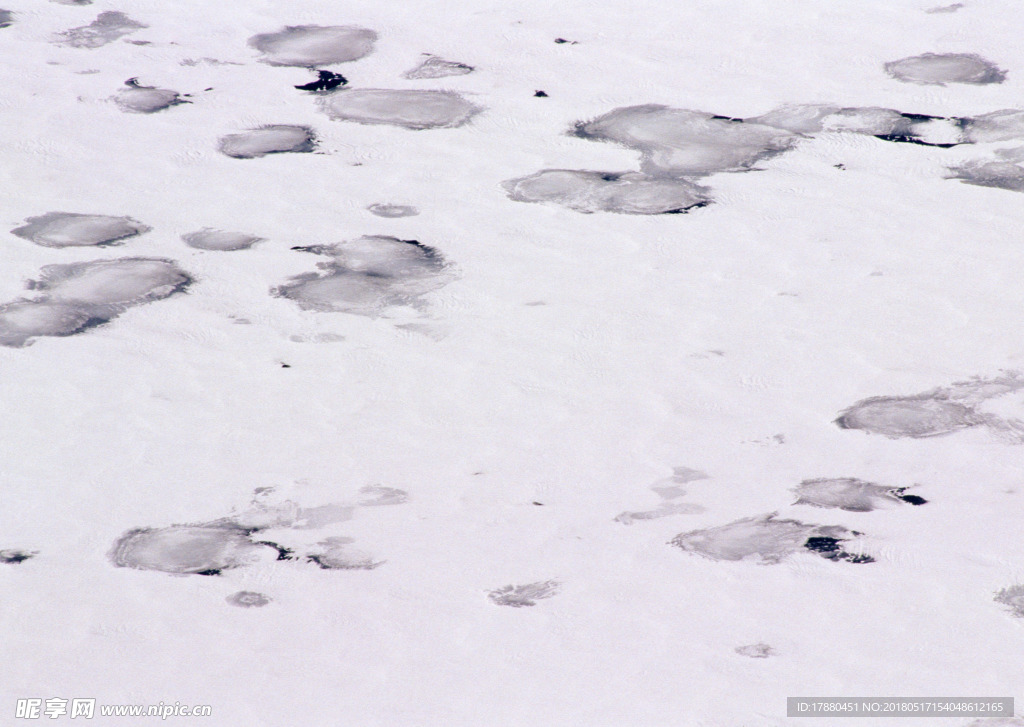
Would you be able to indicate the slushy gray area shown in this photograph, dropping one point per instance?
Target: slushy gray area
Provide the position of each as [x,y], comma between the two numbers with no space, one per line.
[1002,125]
[755,651]
[70,229]
[78,296]
[6,18]
[846,493]
[312,46]
[367,275]
[210,239]
[272,139]
[1013,597]
[393,210]
[1004,172]
[763,539]
[677,142]
[676,508]
[938,412]
[338,554]
[435,67]
[411,109]
[626,192]
[379,495]
[524,595]
[146,99]
[938,69]
[247,599]
[187,549]
[106,28]
[72,2]
[945,9]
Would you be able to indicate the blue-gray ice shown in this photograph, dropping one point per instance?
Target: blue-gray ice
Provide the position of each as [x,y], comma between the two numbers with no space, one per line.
[393,210]
[938,69]
[313,46]
[411,109]
[435,67]
[210,239]
[368,275]
[70,229]
[626,192]
[106,28]
[272,139]
[72,298]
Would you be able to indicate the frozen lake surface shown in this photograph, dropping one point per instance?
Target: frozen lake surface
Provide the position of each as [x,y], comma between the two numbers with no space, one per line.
[562,364]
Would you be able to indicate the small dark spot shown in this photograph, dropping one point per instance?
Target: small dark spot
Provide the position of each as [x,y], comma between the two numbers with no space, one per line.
[822,544]
[919,118]
[907,139]
[208,89]
[14,556]
[286,366]
[563,40]
[541,504]
[839,166]
[540,94]
[327,81]
[212,572]
[912,499]
[728,118]
[611,177]
[283,553]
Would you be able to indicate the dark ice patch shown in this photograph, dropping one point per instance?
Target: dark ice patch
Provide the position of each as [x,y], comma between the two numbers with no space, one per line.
[247,599]
[393,210]
[766,540]
[1013,598]
[106,28]
[367,275]
[410,109]
[851,494]
[6,18]
[138,99]
[311,46]
[271,139]
[1005,171]
[938,69]
[624,193]
[12,556]
[69,229]
[79,296]
[435,67]
[326,81]
[210,239]
[540,94]
[524,595]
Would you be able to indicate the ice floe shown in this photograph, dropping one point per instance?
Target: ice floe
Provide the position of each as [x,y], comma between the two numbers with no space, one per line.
[851,494]
[393,210]
[626,192]
[435,67]
[248,599]
[210,239]
[524,595]
[140,99]
[1013,597]
[187,549]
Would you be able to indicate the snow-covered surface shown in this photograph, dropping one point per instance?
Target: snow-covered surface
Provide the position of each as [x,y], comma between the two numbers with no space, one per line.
[687,385]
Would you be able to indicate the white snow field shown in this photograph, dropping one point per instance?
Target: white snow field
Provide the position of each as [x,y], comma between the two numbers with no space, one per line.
[579,364]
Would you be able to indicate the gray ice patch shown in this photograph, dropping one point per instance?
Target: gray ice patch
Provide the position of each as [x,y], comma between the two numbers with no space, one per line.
[6,18]
[678,142]
[435,67]
[1003,125]
[1005,172]
[69,229]
[367,275]
[247,599]
[272,139]
[187,549]
[210,239]
[337,554]
[944,9]
[72,2]
[313,46]
[938,69]
[411,109]
[393,210]
[909,416]
[766,540]
[851,494]
[106,28]
[1013,597]
[78,296]
[679,508]
[755,651]
[377,495]
[524,595]
[138,99]
[625,193]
